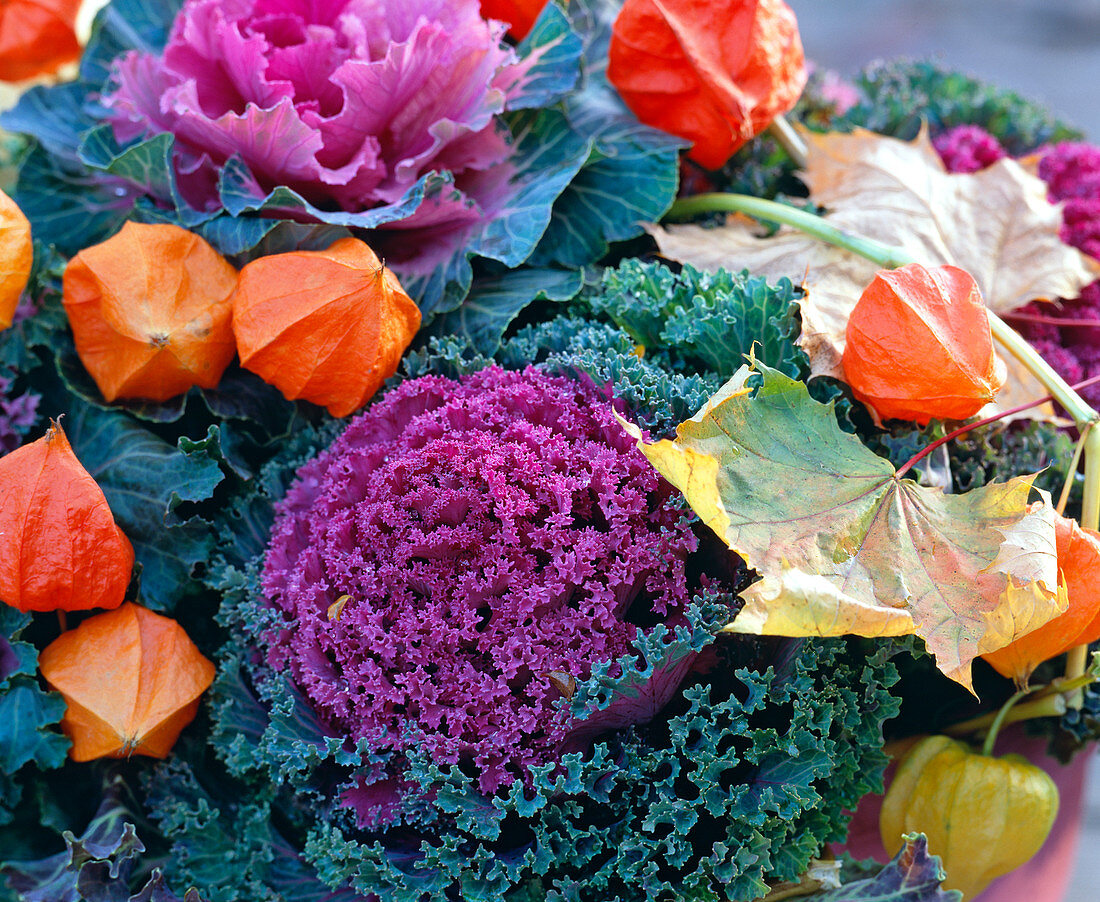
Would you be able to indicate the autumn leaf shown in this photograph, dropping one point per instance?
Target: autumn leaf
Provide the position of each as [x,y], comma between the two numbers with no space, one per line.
[842,545]
[996,224]
[131,679]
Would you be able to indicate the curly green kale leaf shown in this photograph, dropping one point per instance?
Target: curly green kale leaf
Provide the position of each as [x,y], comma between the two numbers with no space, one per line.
[901,96]
[710,320]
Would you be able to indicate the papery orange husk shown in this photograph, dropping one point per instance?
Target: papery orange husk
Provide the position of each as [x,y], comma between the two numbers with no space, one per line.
[324,326]
[519,14]
[918,345]
[150,311]
[15,257]
[715,72]
[60,547]
[132,681]
[1079,566]
[36,37]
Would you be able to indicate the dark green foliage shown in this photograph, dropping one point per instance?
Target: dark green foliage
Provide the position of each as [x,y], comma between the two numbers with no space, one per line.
[100,865]
[710,320]
[901,95]
[760,760]
[28,715]
[742,777]
[661,341]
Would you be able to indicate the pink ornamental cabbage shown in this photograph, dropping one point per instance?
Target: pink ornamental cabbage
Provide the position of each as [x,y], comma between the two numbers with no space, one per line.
[347,102]
[455,559]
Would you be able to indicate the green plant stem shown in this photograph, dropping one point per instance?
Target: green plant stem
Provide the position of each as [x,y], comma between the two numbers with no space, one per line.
[1071,471]
[1010,340]
[1049,701]
[789,139]
[888,258]
[999,719]
[1019,408]
[1047,706]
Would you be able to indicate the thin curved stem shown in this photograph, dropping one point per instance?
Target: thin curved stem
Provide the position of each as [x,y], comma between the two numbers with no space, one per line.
[998,721]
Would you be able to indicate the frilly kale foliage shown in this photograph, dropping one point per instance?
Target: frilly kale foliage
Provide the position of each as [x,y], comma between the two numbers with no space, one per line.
[661,341]
[900,96]
[744,776]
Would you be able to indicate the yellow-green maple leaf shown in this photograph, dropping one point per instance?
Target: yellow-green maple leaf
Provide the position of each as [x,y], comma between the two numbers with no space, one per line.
[845,546]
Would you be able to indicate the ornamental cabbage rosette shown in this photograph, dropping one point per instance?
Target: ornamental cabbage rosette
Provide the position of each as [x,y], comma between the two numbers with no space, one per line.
[267,124]
[349,104]
[456,561]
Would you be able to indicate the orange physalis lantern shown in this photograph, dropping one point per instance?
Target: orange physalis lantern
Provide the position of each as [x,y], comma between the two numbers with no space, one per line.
[919,347]
[715,72]
[15,257]
[150,312]
[61,548]
[519,14]
[1079,566]
[36,37]
[132,681]
[325,326]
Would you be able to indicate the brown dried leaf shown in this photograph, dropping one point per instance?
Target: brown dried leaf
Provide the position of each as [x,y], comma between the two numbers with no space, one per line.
[997,224]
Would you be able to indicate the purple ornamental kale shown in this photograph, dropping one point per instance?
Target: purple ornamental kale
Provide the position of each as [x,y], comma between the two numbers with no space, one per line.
[968,148]
[456,558]
[348,102]
[17,415]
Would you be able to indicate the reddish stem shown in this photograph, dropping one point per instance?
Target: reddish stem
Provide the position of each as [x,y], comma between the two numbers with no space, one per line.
[962,430]
[1051,320]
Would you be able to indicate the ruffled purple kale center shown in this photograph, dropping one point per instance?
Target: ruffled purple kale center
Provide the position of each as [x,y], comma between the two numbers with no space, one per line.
[487,539]
[348,102]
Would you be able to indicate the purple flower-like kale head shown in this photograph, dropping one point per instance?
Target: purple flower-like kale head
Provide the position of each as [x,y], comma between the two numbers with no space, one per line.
[460,555]
[348,102]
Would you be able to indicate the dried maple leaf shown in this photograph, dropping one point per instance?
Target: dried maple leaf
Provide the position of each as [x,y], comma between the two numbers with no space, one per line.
[842,545]
[996,224]
[132,681]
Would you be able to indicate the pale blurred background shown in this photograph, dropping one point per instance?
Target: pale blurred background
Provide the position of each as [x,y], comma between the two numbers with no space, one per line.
[1045,50]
